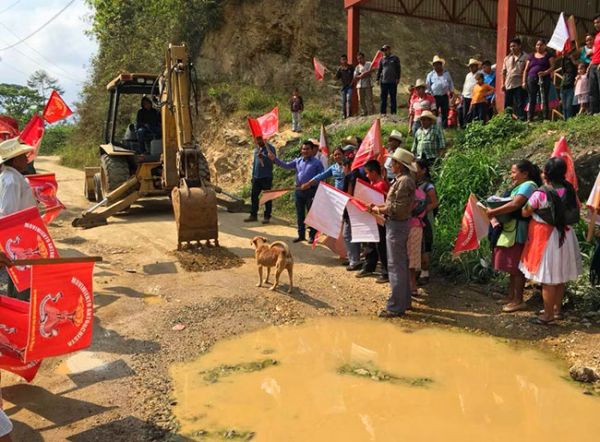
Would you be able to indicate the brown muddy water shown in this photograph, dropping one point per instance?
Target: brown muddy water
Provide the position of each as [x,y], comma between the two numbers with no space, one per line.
[368,380]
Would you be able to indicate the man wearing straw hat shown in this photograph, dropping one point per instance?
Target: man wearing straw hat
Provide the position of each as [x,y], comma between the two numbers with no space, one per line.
[393,143]
[397,209]
[15,192]
[429,139]
[440,85]
[474,66]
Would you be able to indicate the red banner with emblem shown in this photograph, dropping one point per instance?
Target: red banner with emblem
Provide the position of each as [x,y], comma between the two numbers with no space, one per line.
[44,188]
[61,310]
[24,236]
[14,321]
[371,147]
[56,109]
[32,134]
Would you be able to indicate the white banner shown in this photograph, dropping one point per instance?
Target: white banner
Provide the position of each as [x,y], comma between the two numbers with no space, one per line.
[362,224]
[327,210]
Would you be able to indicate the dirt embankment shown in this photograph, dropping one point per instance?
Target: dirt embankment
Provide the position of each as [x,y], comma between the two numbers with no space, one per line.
[151,313]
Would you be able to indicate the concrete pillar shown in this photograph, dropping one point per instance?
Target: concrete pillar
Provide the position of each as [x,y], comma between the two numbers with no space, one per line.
[507,23]
[353,44]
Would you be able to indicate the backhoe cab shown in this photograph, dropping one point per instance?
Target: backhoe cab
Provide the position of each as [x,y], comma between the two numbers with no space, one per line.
[154,153]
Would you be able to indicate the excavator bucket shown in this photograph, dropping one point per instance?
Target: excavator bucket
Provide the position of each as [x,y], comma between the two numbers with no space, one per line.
[195,211]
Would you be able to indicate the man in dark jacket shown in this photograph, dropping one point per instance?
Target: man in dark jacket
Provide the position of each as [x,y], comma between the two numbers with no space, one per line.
[147,122]
[262,179]
[345,73]
[388,77]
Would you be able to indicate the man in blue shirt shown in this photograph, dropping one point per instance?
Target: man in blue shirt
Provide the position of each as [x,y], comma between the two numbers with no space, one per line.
[306,167]
[262,179]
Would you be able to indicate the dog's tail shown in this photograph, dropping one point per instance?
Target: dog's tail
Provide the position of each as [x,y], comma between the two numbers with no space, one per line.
[283,245]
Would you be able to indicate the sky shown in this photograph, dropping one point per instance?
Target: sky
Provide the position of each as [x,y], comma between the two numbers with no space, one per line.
[61,48]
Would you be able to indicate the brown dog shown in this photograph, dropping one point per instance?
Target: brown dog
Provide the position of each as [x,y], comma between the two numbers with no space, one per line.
[276,255]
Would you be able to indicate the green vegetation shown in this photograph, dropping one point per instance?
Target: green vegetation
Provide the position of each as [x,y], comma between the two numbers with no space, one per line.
[369,371]
[213,375]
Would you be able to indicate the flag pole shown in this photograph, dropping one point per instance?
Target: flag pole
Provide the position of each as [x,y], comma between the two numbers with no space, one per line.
[46,261]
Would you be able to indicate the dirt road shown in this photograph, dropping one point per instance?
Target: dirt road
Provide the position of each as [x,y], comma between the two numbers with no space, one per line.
[119,390]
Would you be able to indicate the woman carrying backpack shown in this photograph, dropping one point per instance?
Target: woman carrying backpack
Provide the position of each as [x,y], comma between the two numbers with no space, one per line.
[551,255]
[511,235]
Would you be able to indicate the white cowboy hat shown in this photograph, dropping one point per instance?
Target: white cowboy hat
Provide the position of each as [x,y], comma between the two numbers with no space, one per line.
[438,59]
[405,158]
[428,114]
[395,135]
[473,61]
[420,83]
[12,148]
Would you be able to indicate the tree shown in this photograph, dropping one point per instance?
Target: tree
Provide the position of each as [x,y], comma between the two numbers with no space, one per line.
[20,102]
[43,84]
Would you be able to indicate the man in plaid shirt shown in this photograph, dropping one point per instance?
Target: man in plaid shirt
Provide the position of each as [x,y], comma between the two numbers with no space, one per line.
[429,139]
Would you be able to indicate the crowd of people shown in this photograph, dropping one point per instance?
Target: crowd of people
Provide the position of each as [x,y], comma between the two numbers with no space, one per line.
[532,234]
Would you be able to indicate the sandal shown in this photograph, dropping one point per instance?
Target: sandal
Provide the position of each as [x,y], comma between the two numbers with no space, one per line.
[557,316]
[511,308]
[539,321]
[503,301]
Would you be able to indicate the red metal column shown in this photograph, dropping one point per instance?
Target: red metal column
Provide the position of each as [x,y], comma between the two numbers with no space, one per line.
[353,15]
[507,23]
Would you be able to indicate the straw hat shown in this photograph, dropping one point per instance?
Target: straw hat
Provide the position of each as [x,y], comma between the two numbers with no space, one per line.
[12,148]
[428,114]
[473,61]
[438,59]
[405,158]
[420,83]
[395,135]
[351,140]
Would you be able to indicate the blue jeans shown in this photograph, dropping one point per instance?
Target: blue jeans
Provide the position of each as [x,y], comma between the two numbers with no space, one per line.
[567,95]
[397,256]
[304,199]
[352,248]
[346,101]
[390,89]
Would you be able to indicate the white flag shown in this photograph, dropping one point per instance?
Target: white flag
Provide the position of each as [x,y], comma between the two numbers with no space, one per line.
[560,40]
[362,224]
[327,210]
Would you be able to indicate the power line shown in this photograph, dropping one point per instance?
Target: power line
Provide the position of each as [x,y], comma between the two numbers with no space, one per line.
[40,28]
[9,7]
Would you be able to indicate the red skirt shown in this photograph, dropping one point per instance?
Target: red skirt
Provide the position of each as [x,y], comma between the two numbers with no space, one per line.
[506,259]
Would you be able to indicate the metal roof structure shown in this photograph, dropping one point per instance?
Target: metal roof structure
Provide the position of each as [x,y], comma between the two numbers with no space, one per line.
[533,17]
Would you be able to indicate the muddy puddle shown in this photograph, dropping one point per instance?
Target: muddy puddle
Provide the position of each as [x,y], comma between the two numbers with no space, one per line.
[368,380]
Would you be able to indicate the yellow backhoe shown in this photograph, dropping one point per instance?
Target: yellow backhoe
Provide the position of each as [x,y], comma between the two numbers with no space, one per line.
[156,161]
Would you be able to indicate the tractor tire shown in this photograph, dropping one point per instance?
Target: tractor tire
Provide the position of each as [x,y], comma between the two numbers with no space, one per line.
[115,171]
[98,188]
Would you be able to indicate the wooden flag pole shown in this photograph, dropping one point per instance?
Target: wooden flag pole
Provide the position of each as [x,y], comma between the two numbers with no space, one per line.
[46,261]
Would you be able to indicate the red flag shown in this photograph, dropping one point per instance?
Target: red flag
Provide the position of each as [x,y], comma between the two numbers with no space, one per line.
[26,370]
[269,123]
[9,125]
[56,109]
[32,135]
[44,188]
[270,195]
[323,145]
[319,69]
[255,128]
[24,236]
[61,309]
[474,228]
[376,60]
[14,320]
[561,150]
[370,148]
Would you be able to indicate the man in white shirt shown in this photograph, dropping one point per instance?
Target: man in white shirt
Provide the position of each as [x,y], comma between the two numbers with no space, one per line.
[15,192]
[394,142]
[467,92]
[364,88]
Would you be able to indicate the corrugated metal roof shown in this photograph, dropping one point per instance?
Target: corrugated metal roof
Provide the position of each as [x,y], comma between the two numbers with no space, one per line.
[534,17]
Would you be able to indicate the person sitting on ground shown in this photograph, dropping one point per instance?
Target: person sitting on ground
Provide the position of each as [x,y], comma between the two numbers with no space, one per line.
[306,167]
[511,234]
[397,208]
[419,102]
[376,251]
[147,123]
[262,179]
[582,89]
[441,86]
[296,108]
[393,143]
[425,183]
[336,170]
[551,256]
[479,102]
[429,141]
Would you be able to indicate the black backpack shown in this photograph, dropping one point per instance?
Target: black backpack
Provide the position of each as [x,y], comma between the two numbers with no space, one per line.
[570,209]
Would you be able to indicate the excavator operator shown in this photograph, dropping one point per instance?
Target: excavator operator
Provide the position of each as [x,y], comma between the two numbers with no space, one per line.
[147,123]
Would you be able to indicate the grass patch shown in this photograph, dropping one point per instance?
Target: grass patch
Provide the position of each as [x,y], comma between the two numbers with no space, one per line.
[371,372]
[213,375]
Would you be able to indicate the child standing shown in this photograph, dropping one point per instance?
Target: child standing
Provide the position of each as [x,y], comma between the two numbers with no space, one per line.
[415,238]
[425,183]
[479,104]
[582,88]
[297,107]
